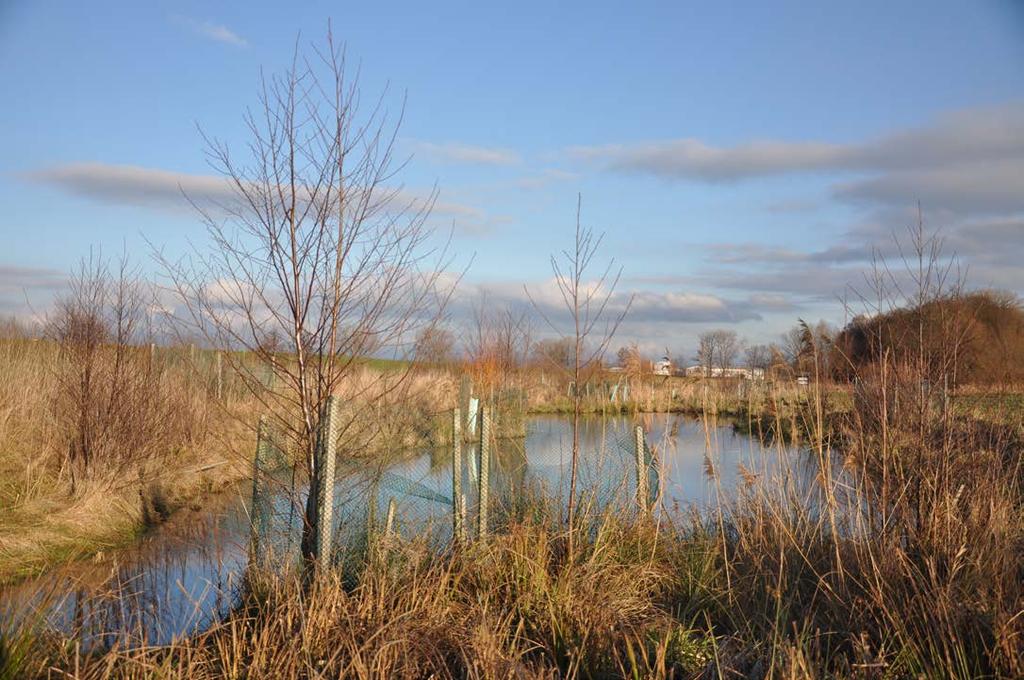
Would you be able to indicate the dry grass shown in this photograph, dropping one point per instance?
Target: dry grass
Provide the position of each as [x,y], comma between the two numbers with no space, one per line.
[652,394]
[906,561]
[767,589]
[513,609]
[190,444]
[763,588]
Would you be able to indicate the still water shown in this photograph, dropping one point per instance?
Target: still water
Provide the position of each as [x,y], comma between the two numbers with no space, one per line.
[184,575]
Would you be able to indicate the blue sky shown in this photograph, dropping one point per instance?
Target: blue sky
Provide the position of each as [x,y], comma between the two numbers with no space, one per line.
[742,158]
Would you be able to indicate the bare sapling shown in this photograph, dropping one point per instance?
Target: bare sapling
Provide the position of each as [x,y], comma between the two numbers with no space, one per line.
[113,413]
[592,323]
[915,331]
[317,261]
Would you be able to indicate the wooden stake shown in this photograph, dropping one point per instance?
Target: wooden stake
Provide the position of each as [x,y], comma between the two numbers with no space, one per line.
[389,522]
[220,376]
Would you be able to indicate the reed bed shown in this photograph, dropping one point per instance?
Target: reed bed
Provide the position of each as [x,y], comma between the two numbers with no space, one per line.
[904,559]
[782,582]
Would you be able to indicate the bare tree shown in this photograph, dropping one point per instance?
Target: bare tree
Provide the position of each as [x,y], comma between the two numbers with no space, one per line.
[807,348]
[498,342]
[586,302]
[513,337]
[554,353]
[792,346]
[631,361]
[915,327]
[719,349]
[758,357]
[435,346]
[108,399]
[705,356]
[628,356]
[729,347]
[318,259]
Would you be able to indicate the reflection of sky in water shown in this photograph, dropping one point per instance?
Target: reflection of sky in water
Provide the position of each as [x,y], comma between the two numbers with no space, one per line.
[186,573]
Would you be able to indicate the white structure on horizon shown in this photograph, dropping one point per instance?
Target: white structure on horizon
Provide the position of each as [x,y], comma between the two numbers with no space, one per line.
[663,367]
[719,372]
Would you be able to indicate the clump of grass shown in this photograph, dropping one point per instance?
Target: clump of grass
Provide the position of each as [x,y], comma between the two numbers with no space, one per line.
[513,607]
[775,584]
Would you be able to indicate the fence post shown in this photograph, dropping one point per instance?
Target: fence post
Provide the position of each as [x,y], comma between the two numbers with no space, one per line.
[462,517]
[325,487]
[220,377]
[389,522]
[485,464]
[458,529]
[641,469]
[473,414]
[465,392]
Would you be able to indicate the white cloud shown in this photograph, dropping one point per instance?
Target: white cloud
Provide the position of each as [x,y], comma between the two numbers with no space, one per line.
[26,293]
[213,31]
[693,159]
[986,248]
[647,306]
[792,206]
[963,164]
[969,136]
[454,152]
[977,187]
[16,278]
[545,178]
[167,190]
[134,185]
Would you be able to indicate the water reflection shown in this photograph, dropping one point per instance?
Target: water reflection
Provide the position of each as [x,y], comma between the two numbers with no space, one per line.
[186,574]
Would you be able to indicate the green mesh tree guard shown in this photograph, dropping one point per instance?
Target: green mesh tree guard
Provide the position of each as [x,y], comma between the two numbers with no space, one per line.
[268,459]
[458,530]
[640,456]
[326,454]
[485,464]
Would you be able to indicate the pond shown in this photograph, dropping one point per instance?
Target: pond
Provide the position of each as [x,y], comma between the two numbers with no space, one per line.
[184,574]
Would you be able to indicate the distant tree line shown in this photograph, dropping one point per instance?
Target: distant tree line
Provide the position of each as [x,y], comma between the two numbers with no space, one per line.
[987,326]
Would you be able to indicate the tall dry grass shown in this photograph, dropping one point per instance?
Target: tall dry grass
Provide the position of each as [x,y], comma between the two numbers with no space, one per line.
[905,558]
[162,441]
[516,608]
[769,586]
[166,431]
[654,394]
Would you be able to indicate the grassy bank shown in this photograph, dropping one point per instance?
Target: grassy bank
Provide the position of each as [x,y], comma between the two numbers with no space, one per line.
[694,396]
[179,429]
[178,447]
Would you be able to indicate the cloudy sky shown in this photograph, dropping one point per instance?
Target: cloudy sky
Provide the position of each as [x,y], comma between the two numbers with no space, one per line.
[744,160]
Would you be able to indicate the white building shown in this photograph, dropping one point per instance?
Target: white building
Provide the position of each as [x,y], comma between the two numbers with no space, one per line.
[663,367]
[719,372]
